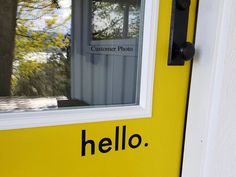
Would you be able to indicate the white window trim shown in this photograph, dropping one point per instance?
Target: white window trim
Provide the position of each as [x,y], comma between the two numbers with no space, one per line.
[75,116]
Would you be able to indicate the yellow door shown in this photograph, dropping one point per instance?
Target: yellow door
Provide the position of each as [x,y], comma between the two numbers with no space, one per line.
[149,147]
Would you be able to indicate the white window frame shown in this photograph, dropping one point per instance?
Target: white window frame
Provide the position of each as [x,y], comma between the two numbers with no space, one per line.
[85,115]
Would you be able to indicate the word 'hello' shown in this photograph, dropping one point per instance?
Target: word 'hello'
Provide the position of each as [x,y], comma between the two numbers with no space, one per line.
[105,145]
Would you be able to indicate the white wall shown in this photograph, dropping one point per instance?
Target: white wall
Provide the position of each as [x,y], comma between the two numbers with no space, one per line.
[210,148]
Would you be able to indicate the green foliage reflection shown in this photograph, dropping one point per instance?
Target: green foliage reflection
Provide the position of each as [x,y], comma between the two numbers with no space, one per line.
[42,49]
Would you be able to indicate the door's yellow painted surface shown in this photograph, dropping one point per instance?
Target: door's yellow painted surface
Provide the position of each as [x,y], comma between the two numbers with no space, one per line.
[56,151]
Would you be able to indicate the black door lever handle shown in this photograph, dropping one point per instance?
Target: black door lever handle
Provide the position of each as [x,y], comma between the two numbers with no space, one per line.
[179,49]
[185,51]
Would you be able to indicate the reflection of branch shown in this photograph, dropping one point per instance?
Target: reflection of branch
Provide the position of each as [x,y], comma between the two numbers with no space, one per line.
[58,25]
[55,2]
[30,7]
[113,23]
[29,19]
[25,36]
[34,7]
[40,7]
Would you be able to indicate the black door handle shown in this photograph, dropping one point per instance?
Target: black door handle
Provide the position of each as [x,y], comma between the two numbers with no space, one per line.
[180,50]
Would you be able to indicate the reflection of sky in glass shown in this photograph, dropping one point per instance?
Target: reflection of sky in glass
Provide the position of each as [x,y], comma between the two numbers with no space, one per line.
[63,13]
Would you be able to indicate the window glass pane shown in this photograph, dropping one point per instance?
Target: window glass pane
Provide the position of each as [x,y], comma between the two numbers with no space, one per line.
[39,70]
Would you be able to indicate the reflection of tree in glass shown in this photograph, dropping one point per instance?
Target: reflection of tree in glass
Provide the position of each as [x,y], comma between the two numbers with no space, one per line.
[115,19]
[107,20]
[42,57]
[33,78]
